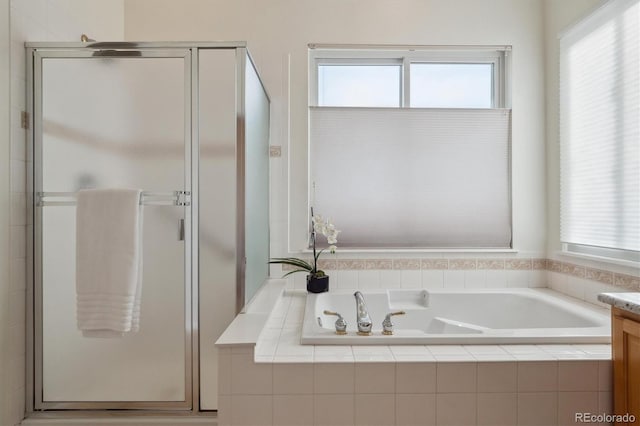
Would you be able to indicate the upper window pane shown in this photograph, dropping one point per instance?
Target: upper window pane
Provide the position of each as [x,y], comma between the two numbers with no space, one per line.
[359,85]
[454,85]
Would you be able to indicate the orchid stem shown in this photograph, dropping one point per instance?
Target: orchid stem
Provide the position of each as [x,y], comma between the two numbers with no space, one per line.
[313,241]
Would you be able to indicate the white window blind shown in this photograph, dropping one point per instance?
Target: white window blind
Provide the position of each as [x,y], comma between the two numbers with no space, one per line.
[600,131]
[422,178]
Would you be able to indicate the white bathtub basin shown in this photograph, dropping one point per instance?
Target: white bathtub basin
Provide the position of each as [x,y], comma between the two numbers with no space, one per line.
[486,316]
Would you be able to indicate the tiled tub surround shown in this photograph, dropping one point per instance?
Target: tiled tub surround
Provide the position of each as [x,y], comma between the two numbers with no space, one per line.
[579,281]
[280,382]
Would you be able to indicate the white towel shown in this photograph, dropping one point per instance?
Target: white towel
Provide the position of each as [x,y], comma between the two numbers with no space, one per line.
[108,261]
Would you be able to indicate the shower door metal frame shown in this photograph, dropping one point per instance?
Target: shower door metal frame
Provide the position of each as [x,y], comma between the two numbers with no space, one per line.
[36,53]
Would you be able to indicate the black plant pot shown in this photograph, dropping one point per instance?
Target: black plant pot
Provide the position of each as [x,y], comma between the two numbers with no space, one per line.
[317,284]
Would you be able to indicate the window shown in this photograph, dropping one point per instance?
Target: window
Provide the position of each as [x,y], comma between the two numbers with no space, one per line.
[417,78]
[600,133]
[342,85]
[410,148]
[441,85]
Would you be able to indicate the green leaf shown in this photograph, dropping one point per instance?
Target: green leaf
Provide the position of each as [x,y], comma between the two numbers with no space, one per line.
[288,259]
[292,261]
[318,255]
[293,272]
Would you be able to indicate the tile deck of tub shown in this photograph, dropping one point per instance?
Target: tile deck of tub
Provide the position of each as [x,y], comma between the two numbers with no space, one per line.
[279,342]
[269,378]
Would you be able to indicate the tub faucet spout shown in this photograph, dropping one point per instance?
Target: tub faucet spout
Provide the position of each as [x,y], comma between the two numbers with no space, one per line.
[362,315]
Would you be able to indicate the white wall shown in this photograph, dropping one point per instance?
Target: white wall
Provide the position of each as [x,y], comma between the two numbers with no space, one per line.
[278,32]
[29,20]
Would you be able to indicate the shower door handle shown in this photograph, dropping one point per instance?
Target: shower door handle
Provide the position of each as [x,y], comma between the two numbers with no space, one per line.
[181,230]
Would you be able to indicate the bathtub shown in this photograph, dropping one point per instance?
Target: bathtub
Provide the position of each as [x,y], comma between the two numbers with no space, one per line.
[452,316]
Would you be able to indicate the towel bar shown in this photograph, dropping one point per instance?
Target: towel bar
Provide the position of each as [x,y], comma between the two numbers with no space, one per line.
[148,198]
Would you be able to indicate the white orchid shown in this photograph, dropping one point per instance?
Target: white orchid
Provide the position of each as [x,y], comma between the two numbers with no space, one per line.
[332,237]
[326,228]
[320,226]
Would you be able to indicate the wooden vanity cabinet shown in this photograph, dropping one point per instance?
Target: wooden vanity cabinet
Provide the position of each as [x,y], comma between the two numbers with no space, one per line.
[626,363]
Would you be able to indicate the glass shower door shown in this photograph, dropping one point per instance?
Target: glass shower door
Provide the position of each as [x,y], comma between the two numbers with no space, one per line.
[107,119]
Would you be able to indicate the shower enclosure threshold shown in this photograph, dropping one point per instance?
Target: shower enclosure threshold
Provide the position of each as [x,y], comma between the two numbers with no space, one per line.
[120,418]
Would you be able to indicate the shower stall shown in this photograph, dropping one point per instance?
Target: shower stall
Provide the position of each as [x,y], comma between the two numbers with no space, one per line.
[188,124]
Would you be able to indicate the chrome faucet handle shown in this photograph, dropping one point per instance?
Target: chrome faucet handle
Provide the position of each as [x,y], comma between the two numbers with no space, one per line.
[341,324]
[387,325]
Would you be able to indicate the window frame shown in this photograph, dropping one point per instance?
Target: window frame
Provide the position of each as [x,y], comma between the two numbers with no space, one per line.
[497,56]
[612,11]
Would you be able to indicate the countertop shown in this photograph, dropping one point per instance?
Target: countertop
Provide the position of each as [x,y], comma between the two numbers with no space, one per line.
[626,301]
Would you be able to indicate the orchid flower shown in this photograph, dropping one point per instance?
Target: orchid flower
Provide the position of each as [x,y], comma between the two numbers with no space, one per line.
[321,226]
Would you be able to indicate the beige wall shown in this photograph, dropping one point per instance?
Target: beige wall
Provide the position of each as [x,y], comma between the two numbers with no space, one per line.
[278,32]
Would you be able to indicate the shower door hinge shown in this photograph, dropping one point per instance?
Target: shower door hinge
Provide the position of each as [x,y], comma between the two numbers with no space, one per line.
[183,198]
[24,120]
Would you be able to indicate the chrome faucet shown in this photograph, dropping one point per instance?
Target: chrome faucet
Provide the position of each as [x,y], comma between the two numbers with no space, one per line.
[341,324]
[362,315]
[387,325]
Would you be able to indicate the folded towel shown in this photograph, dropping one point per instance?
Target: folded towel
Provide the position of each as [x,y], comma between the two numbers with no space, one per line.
[108,261]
